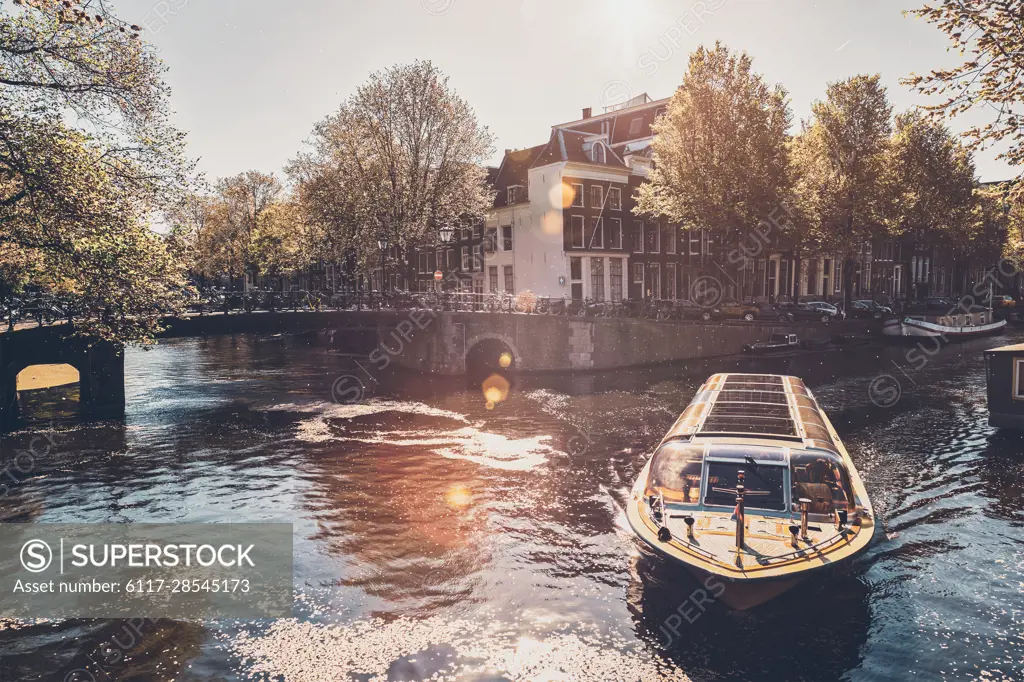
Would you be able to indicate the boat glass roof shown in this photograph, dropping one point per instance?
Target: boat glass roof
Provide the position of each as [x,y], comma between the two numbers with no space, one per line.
[758,405]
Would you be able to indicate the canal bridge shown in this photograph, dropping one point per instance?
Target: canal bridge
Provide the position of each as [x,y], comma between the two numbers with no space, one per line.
[426,341]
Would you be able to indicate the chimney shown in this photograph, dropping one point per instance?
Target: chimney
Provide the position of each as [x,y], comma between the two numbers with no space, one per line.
[507,152]
[588,112]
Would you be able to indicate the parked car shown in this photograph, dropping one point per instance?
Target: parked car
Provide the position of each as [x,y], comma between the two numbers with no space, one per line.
[868,309]
[1003,302]
[806,311]
[826,307]
[688,310]
[748,312]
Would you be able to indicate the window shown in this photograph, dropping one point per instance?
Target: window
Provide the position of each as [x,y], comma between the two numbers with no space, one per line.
[451,259]
[576,232]
[767,486]
[652,238]
[466,234]
[820,477]
[596,196]
[596,240]
[676,472]
[654,286]
[615,199]
[597,279]
[615,275]
[513,194]
[577,196]
[615,233]
[478,261]
[635,126]
[506,238]
[597,153]
[638,236]
[670,281]
[478,230]
[491,239]
[510,283]
[1018,378]
[638,273]
[492,273]
[465,259]
[659,112]
[670,239]
[430,262]
[694,240]
[423,262]
[576,276]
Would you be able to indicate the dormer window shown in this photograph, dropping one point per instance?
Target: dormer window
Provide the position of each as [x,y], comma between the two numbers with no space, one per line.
[515,194]
[597,153]
[635,126]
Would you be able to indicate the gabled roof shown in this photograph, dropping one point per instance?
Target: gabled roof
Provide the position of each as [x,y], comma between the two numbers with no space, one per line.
[513,170]
[568,146]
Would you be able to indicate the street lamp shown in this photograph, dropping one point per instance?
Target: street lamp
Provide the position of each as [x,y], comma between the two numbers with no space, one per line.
[447,234]
[382,242]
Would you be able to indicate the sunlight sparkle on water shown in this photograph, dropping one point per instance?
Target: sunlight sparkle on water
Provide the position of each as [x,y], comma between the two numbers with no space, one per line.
[458,497]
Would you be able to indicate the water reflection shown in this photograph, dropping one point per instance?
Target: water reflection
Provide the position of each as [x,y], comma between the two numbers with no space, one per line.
[435,535]
[815,632]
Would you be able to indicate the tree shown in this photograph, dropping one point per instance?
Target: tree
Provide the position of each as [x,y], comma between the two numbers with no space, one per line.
[930,185]
[248,226]
[812,196]
[403,156]
[841,162]
[720,157]
[281,242]
[78,229]
[989,35]
[75,205]
[245,197]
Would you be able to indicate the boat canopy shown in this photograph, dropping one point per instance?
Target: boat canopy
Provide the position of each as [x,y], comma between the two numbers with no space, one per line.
[681,471]
[754,406]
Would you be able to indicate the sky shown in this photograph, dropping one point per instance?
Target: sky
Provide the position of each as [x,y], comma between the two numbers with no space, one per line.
[250,78]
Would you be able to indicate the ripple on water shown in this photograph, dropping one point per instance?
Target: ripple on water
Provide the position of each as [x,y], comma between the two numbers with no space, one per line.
[439,649]
[470,443]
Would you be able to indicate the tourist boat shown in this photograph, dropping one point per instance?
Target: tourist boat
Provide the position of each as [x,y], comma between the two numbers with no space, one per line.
[752,490]
[950,327]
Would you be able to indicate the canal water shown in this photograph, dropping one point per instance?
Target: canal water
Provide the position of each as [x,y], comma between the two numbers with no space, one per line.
[441,533]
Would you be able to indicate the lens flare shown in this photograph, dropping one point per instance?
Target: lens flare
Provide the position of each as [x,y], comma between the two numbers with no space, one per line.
[458,497]
[495,388]
[505,360]
[551,223]
[561,195]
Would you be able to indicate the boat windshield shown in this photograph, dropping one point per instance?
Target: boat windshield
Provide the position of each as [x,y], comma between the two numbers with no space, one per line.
[675,472]
[822,478]
[763,484]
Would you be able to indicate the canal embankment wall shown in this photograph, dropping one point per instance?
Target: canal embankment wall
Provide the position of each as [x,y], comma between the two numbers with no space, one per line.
[440,342]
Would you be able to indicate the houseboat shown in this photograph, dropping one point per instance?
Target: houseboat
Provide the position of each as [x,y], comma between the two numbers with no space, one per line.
[752,487]
[951,327]
[1005,372]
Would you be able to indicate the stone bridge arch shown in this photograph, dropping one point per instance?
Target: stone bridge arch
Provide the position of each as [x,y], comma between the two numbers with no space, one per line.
[100,366]
[484,351]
